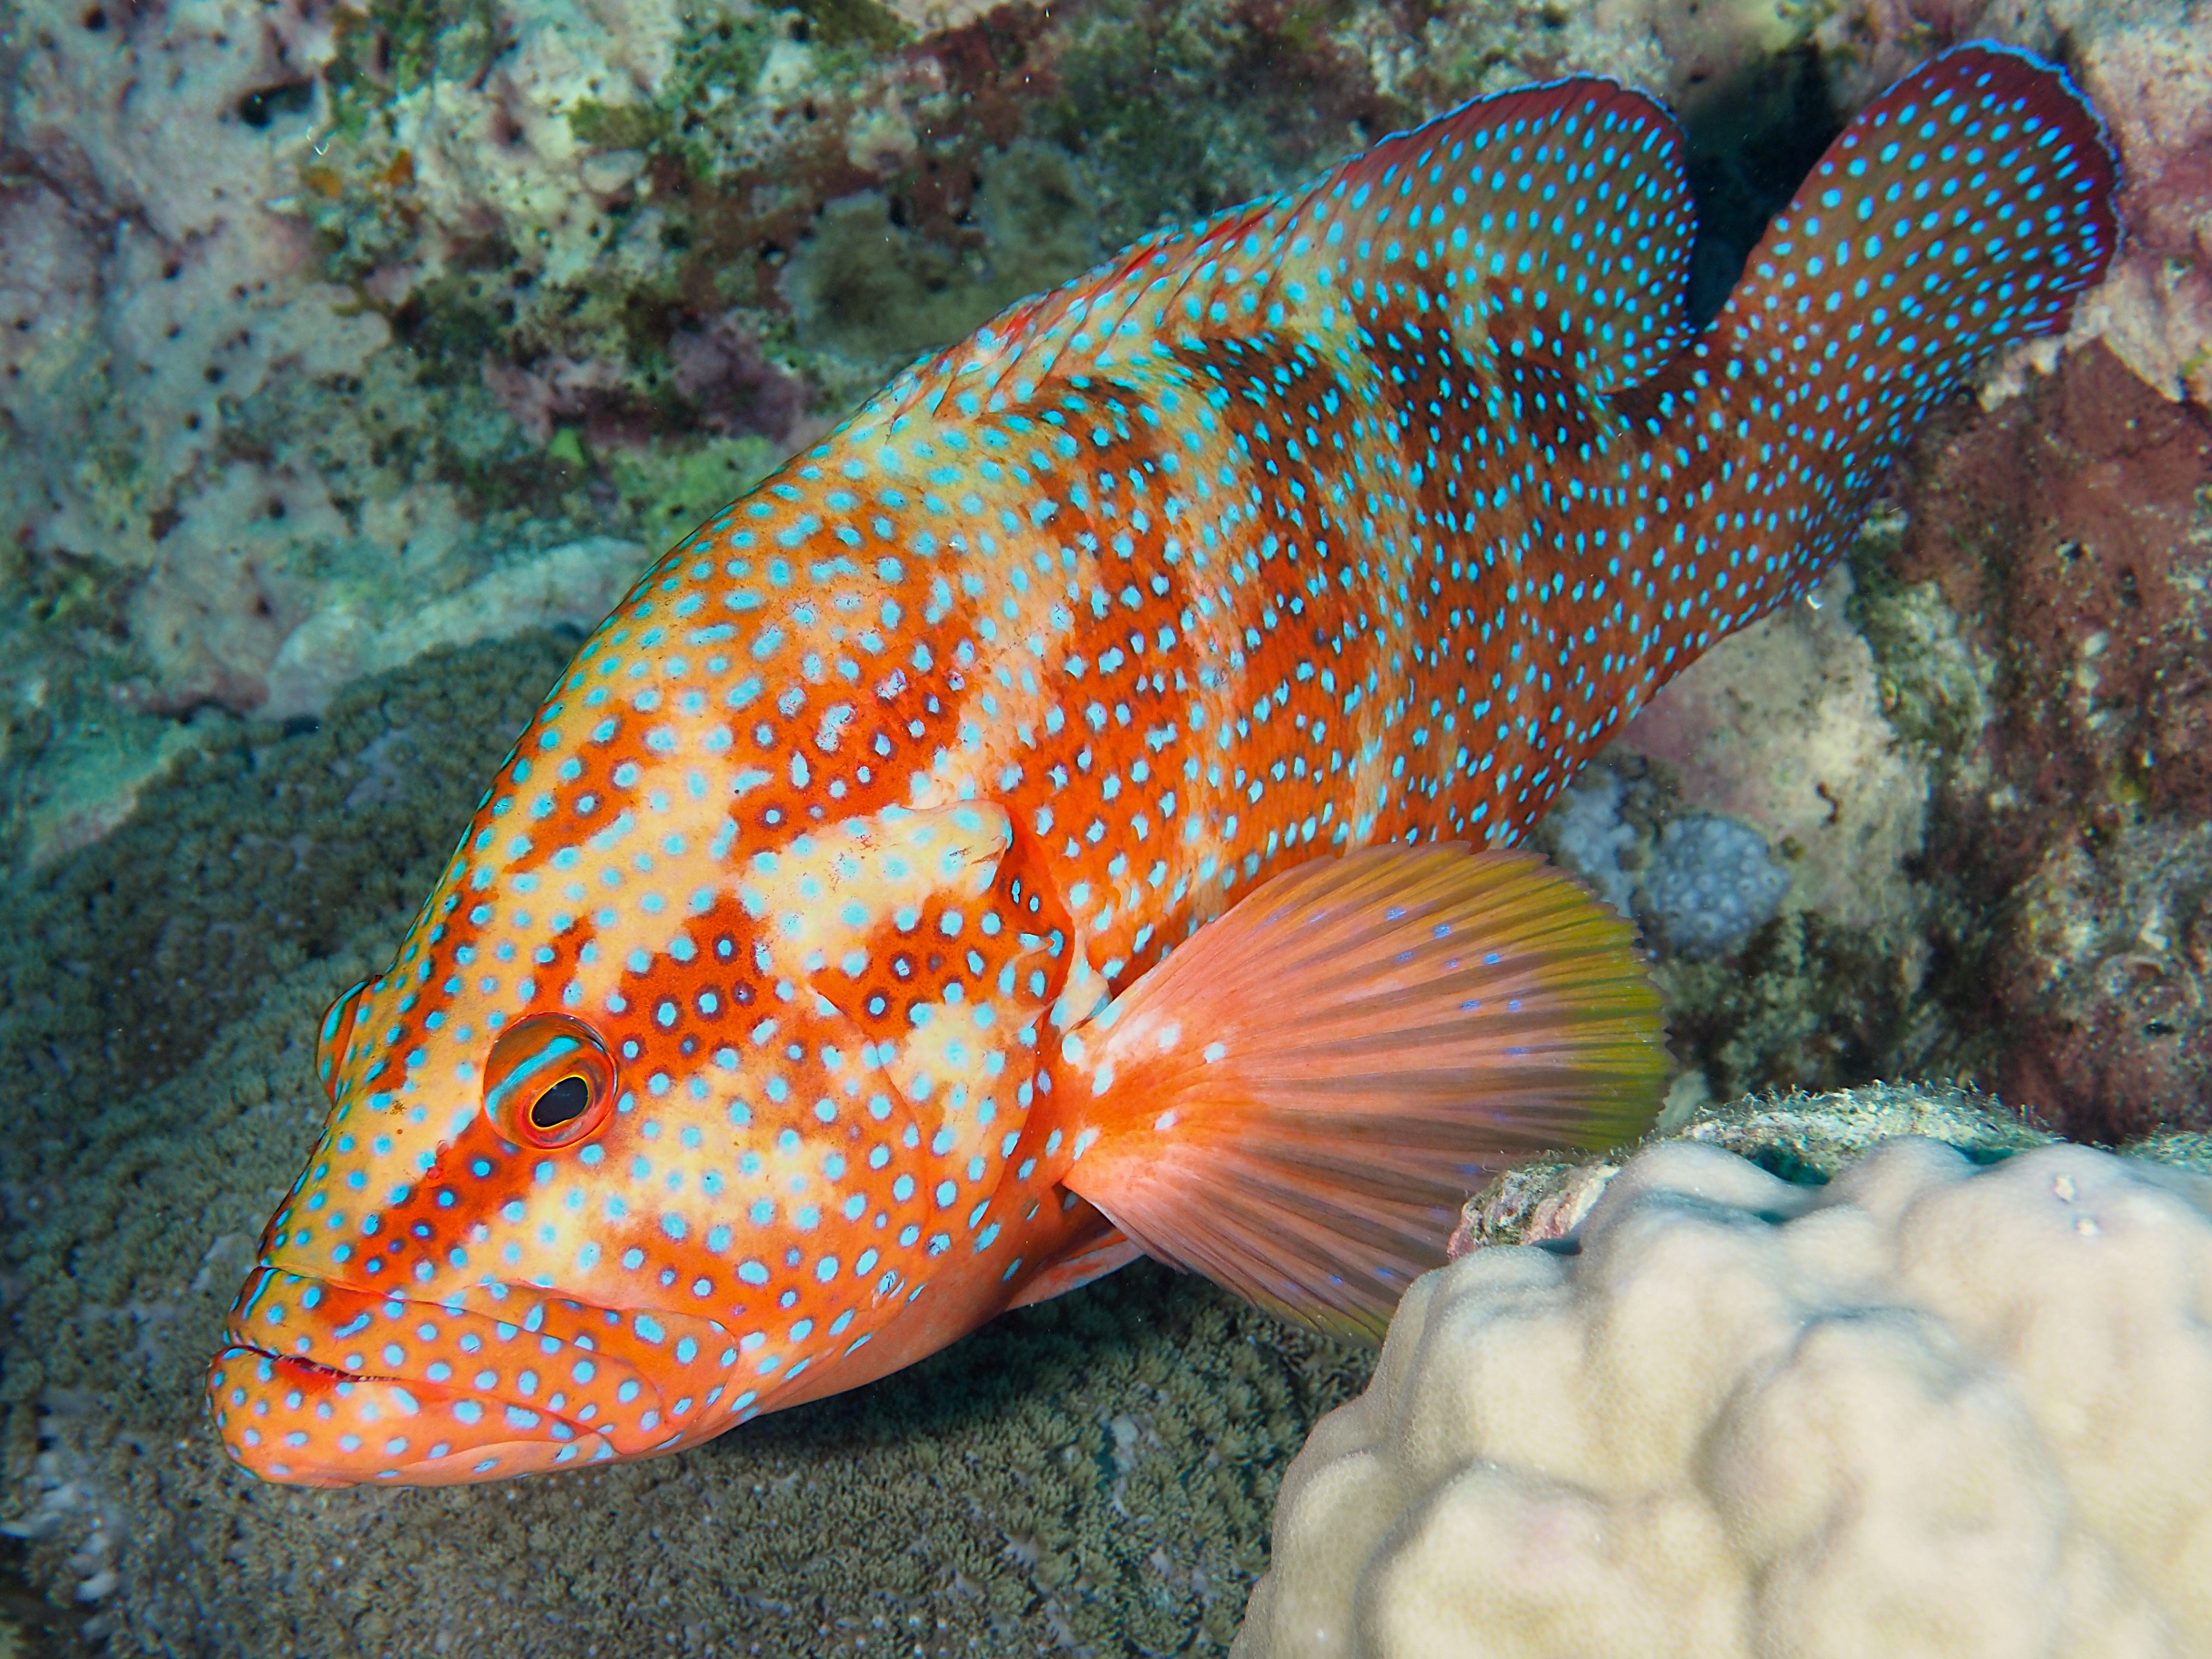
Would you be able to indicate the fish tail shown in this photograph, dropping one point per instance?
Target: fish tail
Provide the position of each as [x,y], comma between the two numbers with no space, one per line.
[1960,212]
[1297,1102]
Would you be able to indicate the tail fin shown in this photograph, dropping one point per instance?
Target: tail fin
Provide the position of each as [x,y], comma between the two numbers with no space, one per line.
[1297,1102]
[1962,211]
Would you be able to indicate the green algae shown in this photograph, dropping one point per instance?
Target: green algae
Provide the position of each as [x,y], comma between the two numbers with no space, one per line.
[2185,1149]
[853,23]
[1095,1473]
[1810,1003]
[868,290]
[718,55]
[619,126]
[1935,687]
[669,490]
[392,47]
[1806,1138]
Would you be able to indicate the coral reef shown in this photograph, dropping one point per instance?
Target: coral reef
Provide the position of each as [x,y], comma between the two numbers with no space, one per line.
[258,854]
[1924,1406]
[1782,727]
[1782,772]
[1712,882]
[2069,533]
[1585,831]
[335,335]
[1982,760]
[1808,1003]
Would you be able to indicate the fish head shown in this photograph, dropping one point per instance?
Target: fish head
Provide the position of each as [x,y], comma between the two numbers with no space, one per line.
[639,1125]
[489,1264]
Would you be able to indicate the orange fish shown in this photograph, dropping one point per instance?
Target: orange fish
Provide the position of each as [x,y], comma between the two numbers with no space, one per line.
[1031,829]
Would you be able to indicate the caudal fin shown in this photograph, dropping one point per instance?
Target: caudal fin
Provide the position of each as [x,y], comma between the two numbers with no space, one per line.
[1297,1102]
[1960,212]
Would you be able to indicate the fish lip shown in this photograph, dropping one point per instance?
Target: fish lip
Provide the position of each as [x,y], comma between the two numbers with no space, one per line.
[285,1415]
[323,1339]
[239,1343]
[289,1447]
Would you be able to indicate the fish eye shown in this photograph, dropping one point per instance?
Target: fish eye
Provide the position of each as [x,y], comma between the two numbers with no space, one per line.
[564,1102]
[330,1041]
[550,1082]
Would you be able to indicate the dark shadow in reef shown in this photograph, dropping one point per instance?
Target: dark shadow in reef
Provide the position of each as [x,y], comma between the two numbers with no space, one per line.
[1752,141]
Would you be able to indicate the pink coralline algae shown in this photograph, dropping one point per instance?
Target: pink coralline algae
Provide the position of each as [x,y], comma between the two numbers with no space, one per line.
[720,382]
[2071,529]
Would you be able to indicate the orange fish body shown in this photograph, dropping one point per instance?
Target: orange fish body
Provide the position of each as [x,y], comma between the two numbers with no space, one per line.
[801,994]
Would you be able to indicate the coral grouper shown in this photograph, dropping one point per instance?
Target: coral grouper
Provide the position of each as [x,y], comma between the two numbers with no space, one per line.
[801,995]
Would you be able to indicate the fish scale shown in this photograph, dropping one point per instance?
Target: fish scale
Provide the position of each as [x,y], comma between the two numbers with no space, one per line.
[967,802]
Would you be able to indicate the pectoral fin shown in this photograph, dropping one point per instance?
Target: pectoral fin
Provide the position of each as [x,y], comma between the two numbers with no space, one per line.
[1297,1101]
[1095,1254]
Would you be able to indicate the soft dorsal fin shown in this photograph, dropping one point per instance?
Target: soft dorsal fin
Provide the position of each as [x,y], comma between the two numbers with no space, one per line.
[1553,221]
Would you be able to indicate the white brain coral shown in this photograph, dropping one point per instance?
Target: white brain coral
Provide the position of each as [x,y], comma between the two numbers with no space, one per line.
[1928,1409]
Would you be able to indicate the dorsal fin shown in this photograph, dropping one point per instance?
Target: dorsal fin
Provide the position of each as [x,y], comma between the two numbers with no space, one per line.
[1554,221]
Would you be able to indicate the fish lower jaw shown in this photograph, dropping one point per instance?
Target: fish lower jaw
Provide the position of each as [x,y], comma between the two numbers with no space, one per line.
[298,1422]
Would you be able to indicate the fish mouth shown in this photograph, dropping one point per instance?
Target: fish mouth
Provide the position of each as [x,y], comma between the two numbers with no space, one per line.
[324,1384]
[298,1423]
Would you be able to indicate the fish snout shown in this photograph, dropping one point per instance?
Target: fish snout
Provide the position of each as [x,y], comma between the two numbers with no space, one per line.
[329,1384]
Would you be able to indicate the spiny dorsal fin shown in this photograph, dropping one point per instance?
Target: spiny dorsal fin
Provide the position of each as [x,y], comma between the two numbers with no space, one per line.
[1553,220]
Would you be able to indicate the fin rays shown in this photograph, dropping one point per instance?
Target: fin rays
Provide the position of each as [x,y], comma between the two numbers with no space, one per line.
[1295,1101]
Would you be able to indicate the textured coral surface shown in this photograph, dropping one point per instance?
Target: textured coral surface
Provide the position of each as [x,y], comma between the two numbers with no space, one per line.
[1932,1406]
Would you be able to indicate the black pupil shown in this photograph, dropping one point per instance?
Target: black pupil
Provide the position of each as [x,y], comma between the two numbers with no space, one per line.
[561,1104]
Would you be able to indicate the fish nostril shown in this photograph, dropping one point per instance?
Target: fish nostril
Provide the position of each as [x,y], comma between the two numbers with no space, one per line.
[566,1101]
